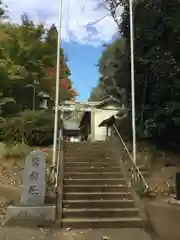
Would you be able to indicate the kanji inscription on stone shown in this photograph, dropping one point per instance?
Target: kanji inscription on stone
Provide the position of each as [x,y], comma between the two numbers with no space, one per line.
[34,175]
[35,162]
[33,191]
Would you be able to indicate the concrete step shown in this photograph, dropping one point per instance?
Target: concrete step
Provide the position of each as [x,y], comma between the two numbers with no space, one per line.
[94,150]
[97,151]
[89,148]
[100,212]
[92,175]
[94,164]
[92,169]
[91,181]
[97,196]
[83,223]
[87,159]
[81,147]
[111,203]
[86,155]
[86,144]
[95,193]
[95,188]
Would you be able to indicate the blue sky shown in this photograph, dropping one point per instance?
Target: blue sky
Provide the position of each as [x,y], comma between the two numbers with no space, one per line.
[85,27]
[82,63]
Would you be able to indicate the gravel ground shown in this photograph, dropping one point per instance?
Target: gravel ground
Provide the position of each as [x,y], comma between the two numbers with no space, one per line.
[11,174]
[48,234]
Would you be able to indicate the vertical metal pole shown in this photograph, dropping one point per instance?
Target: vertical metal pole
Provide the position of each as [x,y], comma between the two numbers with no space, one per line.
[132,78]
[60,139]
[58,68]
[60,175]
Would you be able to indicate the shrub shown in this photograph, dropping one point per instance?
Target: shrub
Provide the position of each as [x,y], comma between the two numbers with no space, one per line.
[30,127]
[19,151]
[11,132]
[39,136]
[9,109]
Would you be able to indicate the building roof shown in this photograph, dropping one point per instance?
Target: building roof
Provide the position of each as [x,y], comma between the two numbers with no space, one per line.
[108,100]
[71,125]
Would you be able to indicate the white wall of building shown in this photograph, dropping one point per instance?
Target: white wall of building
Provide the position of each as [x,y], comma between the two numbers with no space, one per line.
[99,116]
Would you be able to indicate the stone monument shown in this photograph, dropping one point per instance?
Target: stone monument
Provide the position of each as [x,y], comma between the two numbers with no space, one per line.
[33,192]
[32,206]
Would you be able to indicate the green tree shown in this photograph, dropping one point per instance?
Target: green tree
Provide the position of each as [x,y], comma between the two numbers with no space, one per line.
[157,61]
[49,61]
[27,51]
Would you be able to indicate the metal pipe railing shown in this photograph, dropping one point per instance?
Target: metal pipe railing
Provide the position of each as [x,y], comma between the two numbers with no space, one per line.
[59,177]
[131,157]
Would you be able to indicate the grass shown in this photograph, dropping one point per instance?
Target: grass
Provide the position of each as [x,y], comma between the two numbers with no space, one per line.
[17,151]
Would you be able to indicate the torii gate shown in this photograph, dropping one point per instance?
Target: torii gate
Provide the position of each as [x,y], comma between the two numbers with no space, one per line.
[100,111]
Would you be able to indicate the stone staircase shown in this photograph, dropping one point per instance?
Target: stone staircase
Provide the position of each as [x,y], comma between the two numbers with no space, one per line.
[95,193]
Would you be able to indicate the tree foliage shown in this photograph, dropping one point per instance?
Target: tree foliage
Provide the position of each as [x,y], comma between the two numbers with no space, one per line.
[27,51]
[157,65]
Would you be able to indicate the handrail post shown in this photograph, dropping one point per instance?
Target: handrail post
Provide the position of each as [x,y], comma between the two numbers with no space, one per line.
[60,175]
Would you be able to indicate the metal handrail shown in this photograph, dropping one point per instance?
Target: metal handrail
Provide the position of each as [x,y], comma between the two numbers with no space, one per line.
[59,177]
[130,156]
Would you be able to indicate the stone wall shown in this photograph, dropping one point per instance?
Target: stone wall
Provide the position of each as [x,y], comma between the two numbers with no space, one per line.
[165,219]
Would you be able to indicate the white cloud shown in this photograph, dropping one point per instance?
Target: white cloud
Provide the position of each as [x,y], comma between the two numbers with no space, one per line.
[75,26]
